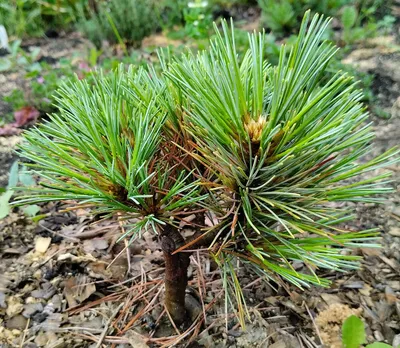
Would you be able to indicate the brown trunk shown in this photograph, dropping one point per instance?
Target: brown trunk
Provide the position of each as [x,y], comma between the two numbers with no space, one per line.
[176,267]
[176,278]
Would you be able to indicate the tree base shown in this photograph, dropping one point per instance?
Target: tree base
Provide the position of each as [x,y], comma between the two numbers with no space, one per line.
[176,279]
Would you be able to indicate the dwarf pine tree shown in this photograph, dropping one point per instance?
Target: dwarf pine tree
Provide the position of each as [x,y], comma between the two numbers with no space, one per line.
[262,151]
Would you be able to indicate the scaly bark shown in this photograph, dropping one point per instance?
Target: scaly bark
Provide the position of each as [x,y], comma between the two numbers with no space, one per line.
[176,278]
[176,267]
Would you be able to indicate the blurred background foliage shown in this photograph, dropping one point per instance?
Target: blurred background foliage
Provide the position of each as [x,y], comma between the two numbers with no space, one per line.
[117,28]
[133,20]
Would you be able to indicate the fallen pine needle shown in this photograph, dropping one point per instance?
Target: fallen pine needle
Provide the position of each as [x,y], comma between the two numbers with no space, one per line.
[107,326]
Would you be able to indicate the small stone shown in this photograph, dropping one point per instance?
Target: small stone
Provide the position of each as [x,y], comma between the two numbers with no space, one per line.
[396,341]
[31,309]
[18,322]
[41,339]
[396,210]
[394,284]
[39,317]
[38,274]
[14,306]
[47,291]
[378,336]
[2,300]
[394,231]
[298,265]
[52,337]
[193,306]
[56,302]
[49,309]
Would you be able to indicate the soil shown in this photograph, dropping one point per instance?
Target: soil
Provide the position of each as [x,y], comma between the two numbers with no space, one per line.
[66,282]
[51,51]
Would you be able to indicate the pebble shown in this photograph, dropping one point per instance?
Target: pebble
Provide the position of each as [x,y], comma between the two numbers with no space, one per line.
[394,284]
[49,309]
[42,244]
[396,341]
[41,339]
[2,300]
[31,309]
[378,336]
[14,306]
[39,317]
[47,291]
[38,274]
[18,322]
[56,302]
[298,265]
[394,231]
[30,300]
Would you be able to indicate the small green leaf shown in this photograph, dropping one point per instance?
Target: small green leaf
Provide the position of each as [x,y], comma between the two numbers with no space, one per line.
[13,178]
[35,53]
[21,60]
[353,332]
[26,179]
[5,64]
[32,74]
[349,17]
[35,67]
[4,203]
[15,47]
[31,210]
[378,345]
[37,218]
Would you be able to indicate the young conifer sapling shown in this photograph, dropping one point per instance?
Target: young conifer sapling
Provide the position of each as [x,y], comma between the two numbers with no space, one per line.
[261,152]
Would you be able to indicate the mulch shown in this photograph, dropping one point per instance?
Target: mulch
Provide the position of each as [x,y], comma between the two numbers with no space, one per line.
[66,282]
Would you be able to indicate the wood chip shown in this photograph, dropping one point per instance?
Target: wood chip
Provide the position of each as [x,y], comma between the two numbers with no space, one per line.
[78,289]
[90,245]
[331,299]
[390,295]
[42,244]
[135,340]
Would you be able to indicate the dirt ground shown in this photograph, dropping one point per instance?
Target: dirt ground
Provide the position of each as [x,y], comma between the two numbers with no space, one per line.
[59,285]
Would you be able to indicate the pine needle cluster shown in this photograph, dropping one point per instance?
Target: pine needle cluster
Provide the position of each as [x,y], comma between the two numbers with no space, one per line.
[265,150]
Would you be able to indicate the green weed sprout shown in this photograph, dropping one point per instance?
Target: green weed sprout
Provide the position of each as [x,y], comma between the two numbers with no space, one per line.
[262,151]
[126,22]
